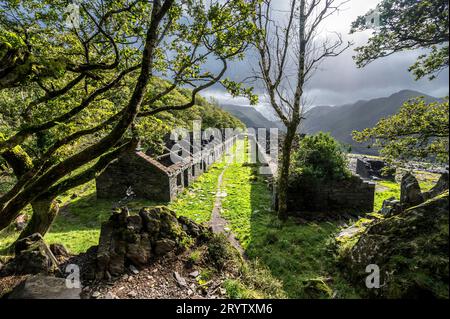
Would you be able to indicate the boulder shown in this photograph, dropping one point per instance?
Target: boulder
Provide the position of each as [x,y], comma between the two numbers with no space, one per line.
[410,193]
[119,217]
[134,223]
[161,222]
[44,287]
[139,253]
[32,256]
[391,207]
[110,252]
[441,186]
[191,228]
[410,249]
[164,246]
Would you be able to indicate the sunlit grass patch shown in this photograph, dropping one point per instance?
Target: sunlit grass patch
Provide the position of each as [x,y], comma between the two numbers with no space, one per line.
[385,190]
[298,255]
[197,201]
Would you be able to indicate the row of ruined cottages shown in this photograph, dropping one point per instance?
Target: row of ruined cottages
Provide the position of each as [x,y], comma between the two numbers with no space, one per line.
[161,178]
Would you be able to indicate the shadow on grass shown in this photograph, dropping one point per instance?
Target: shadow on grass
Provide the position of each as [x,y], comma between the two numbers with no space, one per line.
[299,255]
[78,223]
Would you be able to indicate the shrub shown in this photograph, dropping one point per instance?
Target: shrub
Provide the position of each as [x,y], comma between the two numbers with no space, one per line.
[218,251]
[320,157]
[195,257]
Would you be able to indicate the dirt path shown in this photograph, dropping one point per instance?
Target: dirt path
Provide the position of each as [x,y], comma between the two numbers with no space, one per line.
[219,224]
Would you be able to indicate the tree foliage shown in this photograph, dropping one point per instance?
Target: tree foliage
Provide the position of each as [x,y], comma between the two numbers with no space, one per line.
[320,157]
[419,131]
[408,25]
[74,98]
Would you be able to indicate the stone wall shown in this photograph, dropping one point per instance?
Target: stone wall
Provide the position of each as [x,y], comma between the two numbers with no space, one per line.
[352,196]
[157,179]
[138,239]
[373,169]
[133,170]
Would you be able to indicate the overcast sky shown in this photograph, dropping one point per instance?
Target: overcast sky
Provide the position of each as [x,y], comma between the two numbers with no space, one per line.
[339,81]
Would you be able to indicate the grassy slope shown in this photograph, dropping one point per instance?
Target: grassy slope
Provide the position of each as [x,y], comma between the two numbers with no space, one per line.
[299,255]
[78,224]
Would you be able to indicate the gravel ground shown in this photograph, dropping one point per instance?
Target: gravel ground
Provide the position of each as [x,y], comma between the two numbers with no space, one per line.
[170,277]
[7,284]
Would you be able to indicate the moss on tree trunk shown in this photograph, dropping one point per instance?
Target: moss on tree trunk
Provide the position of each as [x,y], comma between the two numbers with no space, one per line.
[283,176]
[45,211]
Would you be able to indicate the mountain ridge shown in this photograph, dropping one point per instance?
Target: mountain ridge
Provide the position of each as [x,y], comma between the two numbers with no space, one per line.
[340,121]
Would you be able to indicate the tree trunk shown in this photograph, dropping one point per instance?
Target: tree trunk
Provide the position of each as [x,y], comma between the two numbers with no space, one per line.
[45,211]
[283,175]
[45,208]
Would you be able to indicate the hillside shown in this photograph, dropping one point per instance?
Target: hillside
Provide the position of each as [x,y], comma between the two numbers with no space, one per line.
[250,116]
[153,129]
[340,121]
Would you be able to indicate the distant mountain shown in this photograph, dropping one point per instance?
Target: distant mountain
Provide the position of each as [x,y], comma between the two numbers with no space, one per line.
[251,117]
[341,121]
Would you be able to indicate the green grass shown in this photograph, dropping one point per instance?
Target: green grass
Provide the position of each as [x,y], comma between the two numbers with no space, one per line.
[387,189]
[9,235]
[81,214]
[246,197]
[197,201]
[298,255]
[78,224]
[426,179]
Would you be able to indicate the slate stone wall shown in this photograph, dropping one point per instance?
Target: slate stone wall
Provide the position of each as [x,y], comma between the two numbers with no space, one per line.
[349,196]
[152,179]
[131,170]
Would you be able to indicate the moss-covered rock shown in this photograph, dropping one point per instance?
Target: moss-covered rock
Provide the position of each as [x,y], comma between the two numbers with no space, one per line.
[32,256]
[411,250]
[410,193]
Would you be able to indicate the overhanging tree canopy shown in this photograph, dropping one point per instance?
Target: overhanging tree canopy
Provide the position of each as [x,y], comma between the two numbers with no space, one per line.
[89,86]
[408,25]
[419,131]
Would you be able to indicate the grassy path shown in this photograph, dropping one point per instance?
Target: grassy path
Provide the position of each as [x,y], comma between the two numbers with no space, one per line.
[301,256]
[298,255]
[219,225]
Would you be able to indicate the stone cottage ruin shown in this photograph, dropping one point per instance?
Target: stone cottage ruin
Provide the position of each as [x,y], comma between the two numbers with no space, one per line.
[161,178]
